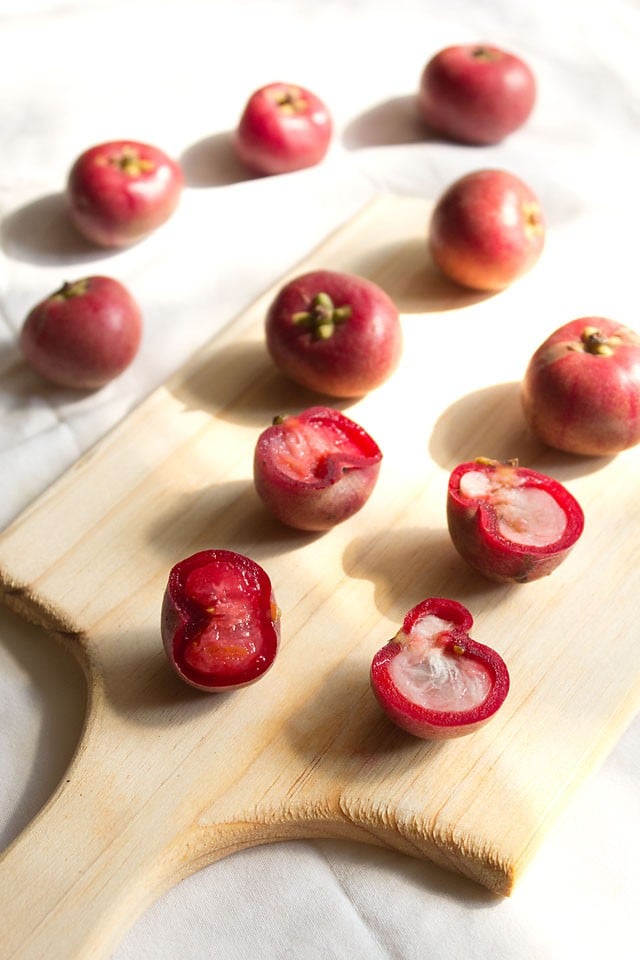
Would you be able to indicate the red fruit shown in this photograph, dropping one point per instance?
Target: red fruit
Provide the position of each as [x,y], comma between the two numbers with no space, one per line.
[476,93]
[581,390]
[334,333]
[315,470]
[119,192]
[511,523]
[220,622]
[283,128]
[486,230]
[432,679]
[84,334]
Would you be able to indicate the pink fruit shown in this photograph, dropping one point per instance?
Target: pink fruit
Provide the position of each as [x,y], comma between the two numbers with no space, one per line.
[335,333]
[511,523]
[84,334]
[121,191]
[581,390]
[220,622]
[476,93]
[486,230]
[283,128]
[432,679]
[316,469]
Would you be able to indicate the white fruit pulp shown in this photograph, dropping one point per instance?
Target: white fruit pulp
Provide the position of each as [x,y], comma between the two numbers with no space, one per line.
[302,448]
[526,515]
[429,675]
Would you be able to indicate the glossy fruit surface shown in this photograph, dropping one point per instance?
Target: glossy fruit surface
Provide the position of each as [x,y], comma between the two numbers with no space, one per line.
[581,389]
[121,191]
[283,128]
[486,230]
[476,93]
[84,334]
[432,679]
[334,333]
[511,523]
[220,622]
[316,469]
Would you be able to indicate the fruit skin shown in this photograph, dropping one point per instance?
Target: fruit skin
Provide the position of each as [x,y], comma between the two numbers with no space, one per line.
[335,333]
[184,616]
[416,719]
[283,128]
[486,230]
[340,484]
[84,334]
[581,389]
[476,93]
[121,191]
[474,532]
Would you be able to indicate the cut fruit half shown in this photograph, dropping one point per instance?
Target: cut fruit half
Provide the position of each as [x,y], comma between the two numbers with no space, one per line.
[509,522]
[432,679]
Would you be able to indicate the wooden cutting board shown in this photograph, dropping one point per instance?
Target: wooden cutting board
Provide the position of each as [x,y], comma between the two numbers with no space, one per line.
[167,779]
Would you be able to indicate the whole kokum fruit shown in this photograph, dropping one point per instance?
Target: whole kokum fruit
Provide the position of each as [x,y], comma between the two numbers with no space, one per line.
[581,389]
[283,127]
[486,230]
[84,334]
[121,191]
[476,93]
[335,333]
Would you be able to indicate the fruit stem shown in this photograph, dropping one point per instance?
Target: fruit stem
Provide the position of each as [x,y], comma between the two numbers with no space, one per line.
[131,163]
[291,101]
[323,317]
[481,53]
[69,290]
[532,218]
[490,462]
[596,342]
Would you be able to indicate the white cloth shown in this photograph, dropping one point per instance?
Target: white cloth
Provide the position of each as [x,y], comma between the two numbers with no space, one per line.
[177,74]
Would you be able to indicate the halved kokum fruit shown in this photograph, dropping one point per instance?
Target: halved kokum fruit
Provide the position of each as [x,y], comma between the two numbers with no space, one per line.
[220,621]
[316,469]
[509,522]
[432,679]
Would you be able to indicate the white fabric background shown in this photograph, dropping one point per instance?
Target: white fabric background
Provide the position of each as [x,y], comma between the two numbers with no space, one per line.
[177,74]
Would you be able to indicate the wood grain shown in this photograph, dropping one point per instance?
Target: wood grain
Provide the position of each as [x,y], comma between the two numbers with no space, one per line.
[167,779]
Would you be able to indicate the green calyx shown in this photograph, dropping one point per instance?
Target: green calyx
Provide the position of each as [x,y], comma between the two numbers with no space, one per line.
[484,55]
[131,163]
[597,343]
[322,318]
[291,101]
[69,290]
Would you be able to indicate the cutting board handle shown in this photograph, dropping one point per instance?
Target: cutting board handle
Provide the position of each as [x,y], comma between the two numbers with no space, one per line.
[78,874]
[105,845]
